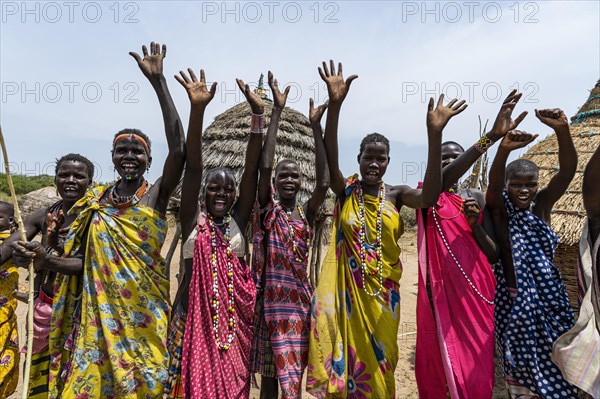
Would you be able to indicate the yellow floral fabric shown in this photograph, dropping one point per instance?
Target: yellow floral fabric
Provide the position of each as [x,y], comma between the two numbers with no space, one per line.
[9,339]
[353,339]
[118,347]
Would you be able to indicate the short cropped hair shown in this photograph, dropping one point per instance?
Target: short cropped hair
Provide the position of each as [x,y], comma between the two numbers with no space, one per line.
[453,143]
[76,158]
[521,166]
[373,138]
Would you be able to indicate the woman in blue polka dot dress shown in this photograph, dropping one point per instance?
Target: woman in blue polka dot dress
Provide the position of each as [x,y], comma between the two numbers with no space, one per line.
[532,307]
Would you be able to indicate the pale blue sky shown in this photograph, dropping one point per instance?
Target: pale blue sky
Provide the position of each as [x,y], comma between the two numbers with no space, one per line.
[54,57]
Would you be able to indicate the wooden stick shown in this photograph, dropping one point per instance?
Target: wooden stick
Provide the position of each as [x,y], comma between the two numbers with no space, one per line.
[13,195]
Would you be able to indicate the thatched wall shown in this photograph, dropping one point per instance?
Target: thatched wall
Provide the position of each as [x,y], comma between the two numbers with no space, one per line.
[568,214]
[225,140]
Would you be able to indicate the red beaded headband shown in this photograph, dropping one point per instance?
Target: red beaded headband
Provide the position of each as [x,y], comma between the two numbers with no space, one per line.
[132,136]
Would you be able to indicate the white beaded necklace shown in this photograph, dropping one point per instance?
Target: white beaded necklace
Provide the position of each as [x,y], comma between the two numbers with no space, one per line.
[215,286]
[292,233]
[456,260]
[362,235]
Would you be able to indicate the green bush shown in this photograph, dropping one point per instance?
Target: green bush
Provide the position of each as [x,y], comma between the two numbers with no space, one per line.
[25,184]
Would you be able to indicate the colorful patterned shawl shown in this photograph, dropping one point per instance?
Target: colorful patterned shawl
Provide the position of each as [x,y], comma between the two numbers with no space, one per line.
[119,343]
[353,347]
[206,370]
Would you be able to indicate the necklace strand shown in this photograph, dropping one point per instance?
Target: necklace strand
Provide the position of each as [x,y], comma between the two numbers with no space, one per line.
[129,200]
[232,326]
[362,236]
[457,263]
[292,233]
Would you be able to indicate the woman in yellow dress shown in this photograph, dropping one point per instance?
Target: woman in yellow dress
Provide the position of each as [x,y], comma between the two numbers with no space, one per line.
[109,317]
[356,307]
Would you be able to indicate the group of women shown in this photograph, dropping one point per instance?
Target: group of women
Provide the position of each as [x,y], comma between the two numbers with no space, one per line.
[104,326]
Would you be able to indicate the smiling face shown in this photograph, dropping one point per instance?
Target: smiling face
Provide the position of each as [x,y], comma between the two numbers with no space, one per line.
[522,188]
[72,180]
[287,180]
[220,193]
[373,162]
[130,158]
[450,151]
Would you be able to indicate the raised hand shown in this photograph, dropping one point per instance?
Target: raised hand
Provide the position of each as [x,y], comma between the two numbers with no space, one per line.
[337,87]
[471,210]
[315,114]
[504,122]
[554,118]
[52,230]
[516,139]
[256,103]
[196,90]
[438,118]
[279,98]
[151,65]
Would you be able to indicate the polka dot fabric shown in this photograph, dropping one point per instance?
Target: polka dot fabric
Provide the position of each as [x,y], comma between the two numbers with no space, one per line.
[527,327]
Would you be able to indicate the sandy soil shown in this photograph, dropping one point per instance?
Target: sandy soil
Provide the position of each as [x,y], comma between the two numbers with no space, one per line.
[406,387]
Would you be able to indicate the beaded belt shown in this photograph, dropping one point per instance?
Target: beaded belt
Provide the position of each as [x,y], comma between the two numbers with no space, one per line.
[44,297]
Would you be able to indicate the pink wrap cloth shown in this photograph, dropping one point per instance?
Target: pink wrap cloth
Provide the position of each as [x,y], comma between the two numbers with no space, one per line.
[41,326]
[207,371]
[455,329]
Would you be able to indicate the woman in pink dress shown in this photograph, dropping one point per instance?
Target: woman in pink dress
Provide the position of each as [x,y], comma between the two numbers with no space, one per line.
[211,331]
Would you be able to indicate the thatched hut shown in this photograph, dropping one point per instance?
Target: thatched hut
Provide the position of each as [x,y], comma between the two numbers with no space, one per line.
[568,214]
[224,145]
[224,142]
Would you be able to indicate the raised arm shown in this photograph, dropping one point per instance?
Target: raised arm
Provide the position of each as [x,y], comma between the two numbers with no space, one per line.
[321,169]
[567,160]
[152,67]
[514,140]
[268,151]
[591,193]
[337,89]
[245,202]
[437,119]
[199,97]
[502,125]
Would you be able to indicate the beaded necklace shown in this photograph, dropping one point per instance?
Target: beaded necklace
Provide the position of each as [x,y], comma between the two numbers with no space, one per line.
[362,235]
[293,234]
[215,287]
[489,302]
[126,201]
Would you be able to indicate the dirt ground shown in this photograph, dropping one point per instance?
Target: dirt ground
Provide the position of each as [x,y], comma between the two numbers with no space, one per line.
[406,387]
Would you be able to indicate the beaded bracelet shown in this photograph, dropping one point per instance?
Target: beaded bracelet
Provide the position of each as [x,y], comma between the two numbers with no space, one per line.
[483,144]
[257,123]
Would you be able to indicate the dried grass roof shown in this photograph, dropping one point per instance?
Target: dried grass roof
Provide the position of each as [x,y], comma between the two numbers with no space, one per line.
[225,140]
[568,214]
